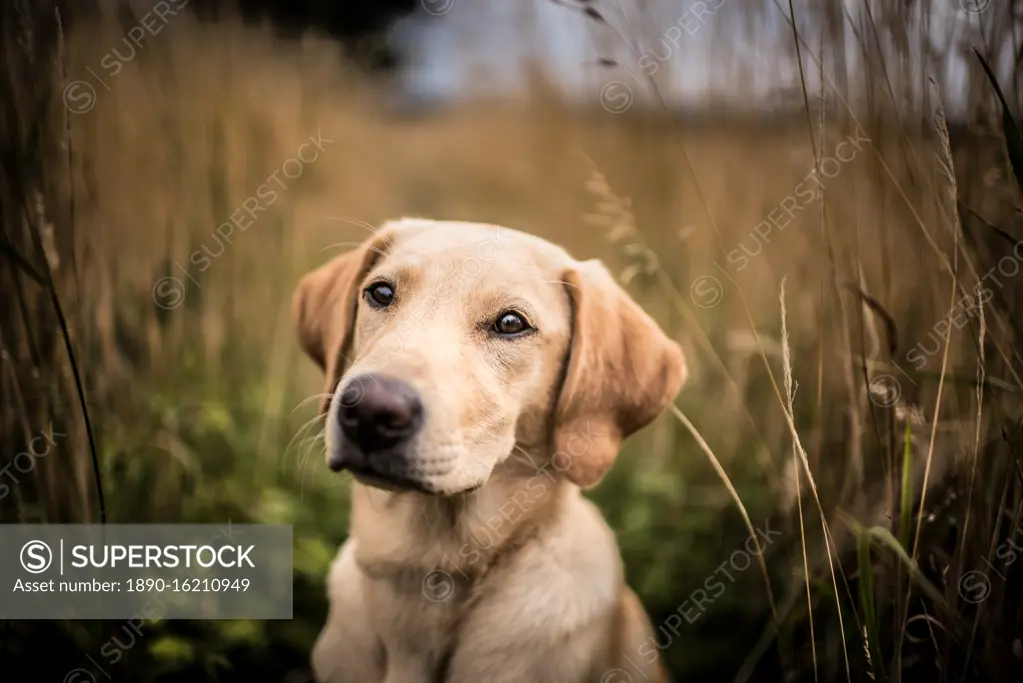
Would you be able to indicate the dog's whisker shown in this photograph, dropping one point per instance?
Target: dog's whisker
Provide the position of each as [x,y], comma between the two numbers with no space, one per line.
[301,431]
[305,446]
[311,449]
[312,438]
[304,455]
[359,222]
[561,282]
[314,397]
[301,441]
[356,245]
[309,446]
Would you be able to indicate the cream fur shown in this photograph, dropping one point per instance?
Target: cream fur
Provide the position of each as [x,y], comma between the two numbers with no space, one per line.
[502,572]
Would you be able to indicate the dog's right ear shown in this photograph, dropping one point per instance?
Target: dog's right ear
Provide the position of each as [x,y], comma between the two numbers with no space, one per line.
[324,305]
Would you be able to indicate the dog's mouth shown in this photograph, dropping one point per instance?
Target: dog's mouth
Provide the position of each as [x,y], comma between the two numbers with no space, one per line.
[390,481]
[401,484]
[389,469]
[379,470]
[395,482]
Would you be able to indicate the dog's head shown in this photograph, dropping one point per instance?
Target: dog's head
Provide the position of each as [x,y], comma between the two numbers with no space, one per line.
[448,345]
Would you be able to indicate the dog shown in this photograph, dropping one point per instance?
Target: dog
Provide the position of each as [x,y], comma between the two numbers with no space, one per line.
[477,378]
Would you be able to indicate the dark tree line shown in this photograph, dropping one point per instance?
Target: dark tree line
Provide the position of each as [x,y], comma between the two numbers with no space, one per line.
[359,25]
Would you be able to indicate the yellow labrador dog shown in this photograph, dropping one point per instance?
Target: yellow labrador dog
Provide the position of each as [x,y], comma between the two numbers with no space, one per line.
[477,379]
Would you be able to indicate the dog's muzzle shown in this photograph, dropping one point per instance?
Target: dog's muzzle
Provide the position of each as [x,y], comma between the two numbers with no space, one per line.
[379,416]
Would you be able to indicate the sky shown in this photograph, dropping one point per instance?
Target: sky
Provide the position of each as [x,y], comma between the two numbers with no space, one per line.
[698,51]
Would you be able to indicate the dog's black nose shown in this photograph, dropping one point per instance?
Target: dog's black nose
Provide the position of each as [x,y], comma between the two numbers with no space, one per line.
[378,412]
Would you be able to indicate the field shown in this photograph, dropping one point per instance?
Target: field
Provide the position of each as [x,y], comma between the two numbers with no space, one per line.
[851,335]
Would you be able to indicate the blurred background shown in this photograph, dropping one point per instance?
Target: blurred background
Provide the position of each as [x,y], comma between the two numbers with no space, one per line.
[820,200]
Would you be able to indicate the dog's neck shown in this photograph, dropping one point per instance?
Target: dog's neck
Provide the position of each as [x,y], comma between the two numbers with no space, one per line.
[411,534]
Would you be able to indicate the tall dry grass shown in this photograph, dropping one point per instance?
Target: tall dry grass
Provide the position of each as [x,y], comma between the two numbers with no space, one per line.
[804,410]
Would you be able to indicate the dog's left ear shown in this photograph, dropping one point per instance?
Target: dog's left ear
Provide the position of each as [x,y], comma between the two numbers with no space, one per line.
[622,371]
[324,306]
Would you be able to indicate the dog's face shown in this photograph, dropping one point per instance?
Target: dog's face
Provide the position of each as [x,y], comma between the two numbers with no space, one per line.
[448,345]
[459,335]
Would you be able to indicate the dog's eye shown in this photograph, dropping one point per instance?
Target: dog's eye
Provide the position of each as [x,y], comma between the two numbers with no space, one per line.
[510,324]
[379,294]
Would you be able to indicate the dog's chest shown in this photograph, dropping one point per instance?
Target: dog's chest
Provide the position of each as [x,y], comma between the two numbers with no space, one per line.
[418,621]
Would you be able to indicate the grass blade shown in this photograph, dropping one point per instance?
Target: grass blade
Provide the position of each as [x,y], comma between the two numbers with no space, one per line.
[20,261]
[1013,138]
[906,497]
[866,591]
[885,538]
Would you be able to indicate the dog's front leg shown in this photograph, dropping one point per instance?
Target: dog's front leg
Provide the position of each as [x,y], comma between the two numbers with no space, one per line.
[347,650]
